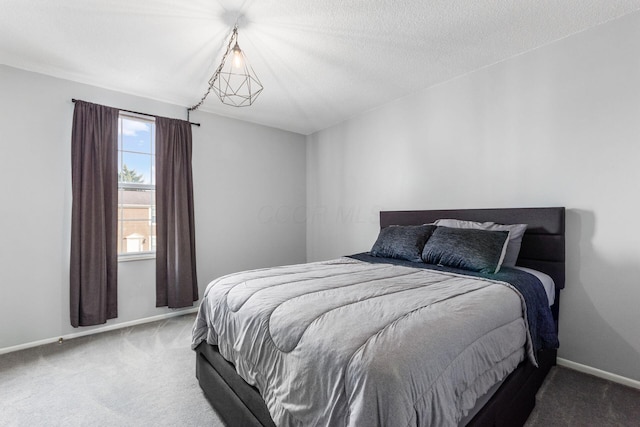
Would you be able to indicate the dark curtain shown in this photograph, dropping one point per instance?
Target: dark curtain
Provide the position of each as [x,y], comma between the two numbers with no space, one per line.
[176,283]
[94,258]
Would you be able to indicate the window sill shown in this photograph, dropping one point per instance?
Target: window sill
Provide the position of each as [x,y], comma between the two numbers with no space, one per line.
[137,257]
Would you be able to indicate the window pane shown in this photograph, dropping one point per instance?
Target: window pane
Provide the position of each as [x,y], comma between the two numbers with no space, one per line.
[136,228]
[130,213]
[135,236]
[136,192]
[136,135]
[136,168]
[135,204]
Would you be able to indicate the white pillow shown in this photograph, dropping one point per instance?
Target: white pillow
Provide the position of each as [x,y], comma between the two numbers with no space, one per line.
[516,231]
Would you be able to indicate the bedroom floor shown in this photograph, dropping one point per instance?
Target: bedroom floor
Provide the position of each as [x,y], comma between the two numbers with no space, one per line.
[138,376]
[144,376]
[571,398]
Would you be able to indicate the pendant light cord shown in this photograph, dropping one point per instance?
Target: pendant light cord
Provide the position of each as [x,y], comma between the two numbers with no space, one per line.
[216,74]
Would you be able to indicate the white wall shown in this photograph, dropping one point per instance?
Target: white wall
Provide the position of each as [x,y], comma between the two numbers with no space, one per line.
[250,196]
[558,126]
[242,172]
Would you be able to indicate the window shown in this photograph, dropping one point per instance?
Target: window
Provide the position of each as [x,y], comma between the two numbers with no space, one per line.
[136,185]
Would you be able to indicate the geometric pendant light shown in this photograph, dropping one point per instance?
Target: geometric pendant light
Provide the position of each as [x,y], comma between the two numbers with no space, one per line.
[234,81]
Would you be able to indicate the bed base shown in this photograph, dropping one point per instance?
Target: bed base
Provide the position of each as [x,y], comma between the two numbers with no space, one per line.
[235,401]
[240,404]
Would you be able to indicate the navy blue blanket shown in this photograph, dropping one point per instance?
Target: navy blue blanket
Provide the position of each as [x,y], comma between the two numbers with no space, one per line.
[538,314]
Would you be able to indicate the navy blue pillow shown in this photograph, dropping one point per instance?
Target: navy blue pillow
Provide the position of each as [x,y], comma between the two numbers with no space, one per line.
[466,248]
[402,242]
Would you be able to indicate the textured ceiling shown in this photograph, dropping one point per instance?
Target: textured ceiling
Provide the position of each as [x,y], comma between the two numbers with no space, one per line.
[321,61]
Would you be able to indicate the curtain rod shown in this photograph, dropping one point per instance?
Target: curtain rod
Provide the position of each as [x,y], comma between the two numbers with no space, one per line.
[137,112]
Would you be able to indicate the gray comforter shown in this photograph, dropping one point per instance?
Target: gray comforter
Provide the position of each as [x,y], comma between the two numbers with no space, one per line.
[345,342]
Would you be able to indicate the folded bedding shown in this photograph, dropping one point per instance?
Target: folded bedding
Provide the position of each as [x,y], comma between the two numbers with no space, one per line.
[373,341]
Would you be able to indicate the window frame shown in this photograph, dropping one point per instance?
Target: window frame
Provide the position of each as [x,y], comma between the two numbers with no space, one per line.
[149,254]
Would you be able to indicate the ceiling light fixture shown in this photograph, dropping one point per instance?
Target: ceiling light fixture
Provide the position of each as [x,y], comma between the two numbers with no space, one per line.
[234,81]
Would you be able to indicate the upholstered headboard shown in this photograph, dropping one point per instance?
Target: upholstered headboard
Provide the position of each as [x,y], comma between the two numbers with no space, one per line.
[543,246]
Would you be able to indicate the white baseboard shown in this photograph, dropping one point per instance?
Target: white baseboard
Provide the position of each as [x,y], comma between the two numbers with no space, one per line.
[598,373]
[98,330]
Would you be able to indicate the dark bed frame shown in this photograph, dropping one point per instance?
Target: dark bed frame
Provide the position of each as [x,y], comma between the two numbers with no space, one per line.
[543,249]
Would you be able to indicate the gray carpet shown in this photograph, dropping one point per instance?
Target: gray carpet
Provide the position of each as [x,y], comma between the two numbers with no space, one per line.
[144,376]
[138,376]
[571,398]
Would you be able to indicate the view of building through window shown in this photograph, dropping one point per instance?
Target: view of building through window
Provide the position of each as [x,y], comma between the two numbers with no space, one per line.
[136,185]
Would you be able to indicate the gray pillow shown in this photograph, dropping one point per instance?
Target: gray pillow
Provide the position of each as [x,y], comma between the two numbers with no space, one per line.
[402,241]
[466,248]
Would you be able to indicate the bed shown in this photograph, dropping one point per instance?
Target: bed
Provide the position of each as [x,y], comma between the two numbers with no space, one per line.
[508,402]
